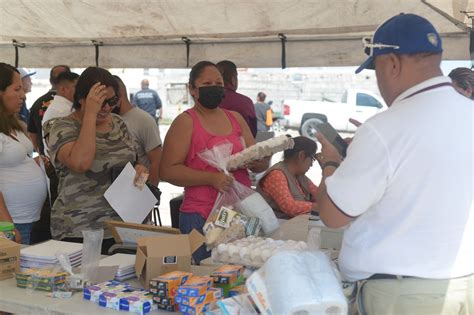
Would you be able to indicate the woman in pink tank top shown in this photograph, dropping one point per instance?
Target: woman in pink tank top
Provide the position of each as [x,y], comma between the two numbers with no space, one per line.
[196,130]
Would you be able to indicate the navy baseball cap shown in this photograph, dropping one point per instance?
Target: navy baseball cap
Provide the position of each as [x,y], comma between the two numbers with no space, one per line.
[401,34]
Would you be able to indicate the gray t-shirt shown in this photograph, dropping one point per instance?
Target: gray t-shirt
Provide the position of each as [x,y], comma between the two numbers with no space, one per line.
[145,133]
[261,113]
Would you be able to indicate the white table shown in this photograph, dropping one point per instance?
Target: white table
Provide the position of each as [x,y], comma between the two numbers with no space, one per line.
[22,301]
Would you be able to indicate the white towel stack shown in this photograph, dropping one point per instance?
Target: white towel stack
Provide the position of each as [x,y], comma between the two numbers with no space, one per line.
[44,255]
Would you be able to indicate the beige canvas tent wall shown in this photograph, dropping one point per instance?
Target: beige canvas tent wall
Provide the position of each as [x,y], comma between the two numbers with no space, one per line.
[148,33]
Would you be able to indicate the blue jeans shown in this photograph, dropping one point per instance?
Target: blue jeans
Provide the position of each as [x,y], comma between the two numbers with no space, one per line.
[188,222]
[25,232]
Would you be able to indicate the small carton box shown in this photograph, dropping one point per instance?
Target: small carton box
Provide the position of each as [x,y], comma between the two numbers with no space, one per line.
[157,255]
[94,292]
[169,308]
[211,296]
[165,301]
[138,303]
[9,258]
[166,285]
[227,274]
[193,310]
[238,290]
[195,286]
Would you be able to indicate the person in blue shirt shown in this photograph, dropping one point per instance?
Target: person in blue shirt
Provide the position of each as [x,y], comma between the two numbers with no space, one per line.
[148,100]
[25,76]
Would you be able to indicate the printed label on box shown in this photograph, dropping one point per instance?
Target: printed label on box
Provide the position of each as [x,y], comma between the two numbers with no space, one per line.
[170,260]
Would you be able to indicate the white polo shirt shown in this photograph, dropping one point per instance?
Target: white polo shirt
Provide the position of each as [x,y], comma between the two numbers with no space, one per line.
[408,178]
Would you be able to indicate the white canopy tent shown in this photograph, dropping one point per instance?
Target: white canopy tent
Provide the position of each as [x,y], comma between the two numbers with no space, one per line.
[149,33]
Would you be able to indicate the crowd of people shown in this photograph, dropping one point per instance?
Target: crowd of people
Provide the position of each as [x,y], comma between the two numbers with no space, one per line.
[407,202]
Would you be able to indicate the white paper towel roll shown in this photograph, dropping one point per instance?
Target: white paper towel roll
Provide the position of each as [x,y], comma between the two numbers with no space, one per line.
[302,283]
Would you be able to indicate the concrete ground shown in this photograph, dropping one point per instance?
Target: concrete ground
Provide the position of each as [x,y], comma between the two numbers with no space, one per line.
[170,191]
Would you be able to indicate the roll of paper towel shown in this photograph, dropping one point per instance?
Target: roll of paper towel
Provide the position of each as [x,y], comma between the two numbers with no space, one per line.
[299,283]
[255,206]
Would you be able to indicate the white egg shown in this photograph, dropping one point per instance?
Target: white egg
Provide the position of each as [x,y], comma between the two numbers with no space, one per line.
[222,248]
[266,253]
[255,256]
[232,249]
[244,253]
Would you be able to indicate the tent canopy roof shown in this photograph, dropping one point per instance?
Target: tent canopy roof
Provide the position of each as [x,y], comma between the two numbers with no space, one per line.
[148,33]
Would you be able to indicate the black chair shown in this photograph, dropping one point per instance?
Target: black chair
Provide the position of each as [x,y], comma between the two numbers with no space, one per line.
[175,205]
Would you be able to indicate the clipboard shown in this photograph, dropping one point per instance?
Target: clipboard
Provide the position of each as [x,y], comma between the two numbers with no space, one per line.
[126,233]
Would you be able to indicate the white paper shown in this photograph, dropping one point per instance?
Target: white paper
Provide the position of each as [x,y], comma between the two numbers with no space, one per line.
[124,261]
[131,203]
[48,250]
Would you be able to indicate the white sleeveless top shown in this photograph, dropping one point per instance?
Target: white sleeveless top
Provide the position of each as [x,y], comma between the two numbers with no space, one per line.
[22,182]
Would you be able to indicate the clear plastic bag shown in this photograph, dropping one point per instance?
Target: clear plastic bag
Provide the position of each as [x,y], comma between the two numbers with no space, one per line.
[91,253]
[226,221]
[240,304]
[73,281]
[47,278]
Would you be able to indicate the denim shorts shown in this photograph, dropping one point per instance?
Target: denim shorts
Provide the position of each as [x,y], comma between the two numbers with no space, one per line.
[188,222]
[25,232]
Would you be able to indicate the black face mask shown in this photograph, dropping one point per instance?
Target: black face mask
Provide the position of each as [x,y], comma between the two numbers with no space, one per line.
[211,96]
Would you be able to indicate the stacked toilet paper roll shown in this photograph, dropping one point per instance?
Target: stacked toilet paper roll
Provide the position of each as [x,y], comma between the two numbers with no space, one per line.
[300,283]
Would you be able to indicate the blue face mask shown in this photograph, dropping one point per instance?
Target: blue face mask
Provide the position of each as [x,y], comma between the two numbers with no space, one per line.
[211,96]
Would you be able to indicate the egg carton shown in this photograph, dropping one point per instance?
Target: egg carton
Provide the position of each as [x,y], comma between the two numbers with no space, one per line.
[253,251]
[259,151]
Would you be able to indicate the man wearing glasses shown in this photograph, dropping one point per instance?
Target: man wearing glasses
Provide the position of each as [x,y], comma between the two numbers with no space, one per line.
[406,186]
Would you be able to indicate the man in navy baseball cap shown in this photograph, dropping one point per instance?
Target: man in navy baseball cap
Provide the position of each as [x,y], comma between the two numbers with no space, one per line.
[406,200]
[401,34]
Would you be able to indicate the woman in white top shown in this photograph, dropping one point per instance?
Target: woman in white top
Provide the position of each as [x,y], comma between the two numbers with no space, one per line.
[23,187]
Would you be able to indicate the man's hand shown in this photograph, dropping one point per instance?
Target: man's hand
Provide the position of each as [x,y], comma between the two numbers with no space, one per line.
[328,151]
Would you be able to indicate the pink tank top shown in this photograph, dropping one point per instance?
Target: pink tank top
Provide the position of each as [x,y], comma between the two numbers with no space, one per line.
[200,199]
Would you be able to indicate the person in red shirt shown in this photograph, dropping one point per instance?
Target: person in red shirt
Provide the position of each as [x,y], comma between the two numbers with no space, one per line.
[285,186]
[235,101]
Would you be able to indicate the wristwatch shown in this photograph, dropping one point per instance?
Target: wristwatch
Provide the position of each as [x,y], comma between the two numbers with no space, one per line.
[330,163]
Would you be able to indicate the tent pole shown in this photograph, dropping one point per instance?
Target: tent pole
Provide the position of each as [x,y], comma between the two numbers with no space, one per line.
[97,44]
[283,50]
[17,54]
[187,42]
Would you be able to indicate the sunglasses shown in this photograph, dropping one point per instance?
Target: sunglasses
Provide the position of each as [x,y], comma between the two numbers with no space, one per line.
[113,101]
[369,46]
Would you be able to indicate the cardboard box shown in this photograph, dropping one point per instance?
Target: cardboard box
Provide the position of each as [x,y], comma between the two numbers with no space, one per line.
[93,292]
[211,296]
[193,310]
[157,255]
[9,258]
[166,285]
[195,286]
[227,274]
[295,229]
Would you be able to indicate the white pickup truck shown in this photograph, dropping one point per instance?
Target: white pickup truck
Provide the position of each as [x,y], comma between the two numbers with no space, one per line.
[355,103]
